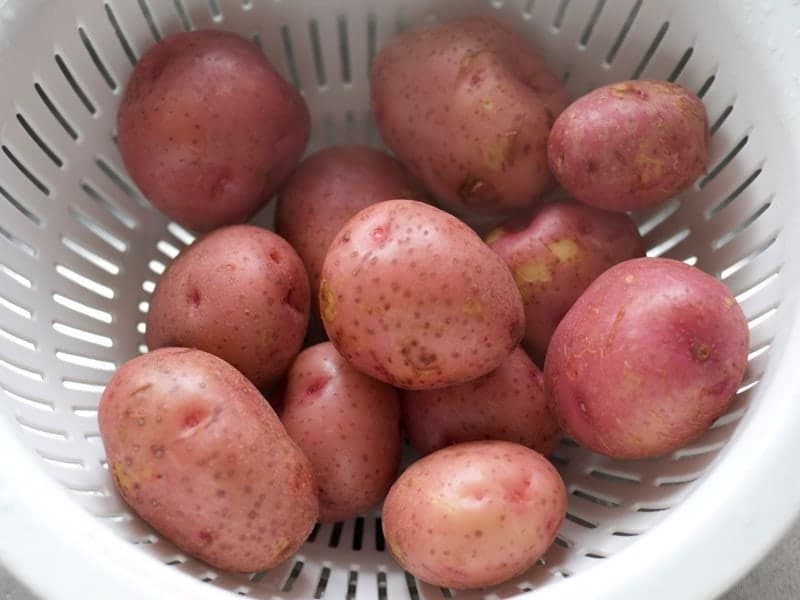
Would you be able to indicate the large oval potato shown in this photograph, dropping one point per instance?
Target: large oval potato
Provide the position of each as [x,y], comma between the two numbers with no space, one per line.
[507,404]
[556,255]
[467,106]
[411,296]
[208,130]
[239,292]
[326,190]
[647,358]
[473,514]
[198,453]
[348,425]
[630,145]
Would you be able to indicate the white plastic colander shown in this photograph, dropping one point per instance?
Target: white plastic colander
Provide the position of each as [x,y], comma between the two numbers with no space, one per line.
[80,250]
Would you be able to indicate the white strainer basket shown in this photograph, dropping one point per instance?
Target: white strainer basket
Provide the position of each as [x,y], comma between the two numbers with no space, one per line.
[80,250]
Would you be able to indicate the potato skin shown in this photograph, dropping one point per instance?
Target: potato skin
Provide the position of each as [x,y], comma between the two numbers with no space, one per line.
[411,296]
[507,404]
[240,293]
[473,514]
[326,190]
[467,106]
[647,358]
[208,129]
[348,425]
[198,453]
[555,255]
[630,145]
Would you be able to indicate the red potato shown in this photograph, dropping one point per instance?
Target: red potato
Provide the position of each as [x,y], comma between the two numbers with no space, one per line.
[507,404]
[240,293]
[467,106]
[326,190]
[198,453]
[555,255]
[348,425]
[647,358]
[208,129]
[474,515]
[411,296]
[630,145]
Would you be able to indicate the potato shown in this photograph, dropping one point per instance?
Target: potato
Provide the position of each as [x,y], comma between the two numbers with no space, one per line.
[555,254]
[473,514]
[348,425]
[239,292]
[467,106]
[197,452]
[327,189]
[411,296]
[630,145]
[647,358]
[208,130]
[507,404]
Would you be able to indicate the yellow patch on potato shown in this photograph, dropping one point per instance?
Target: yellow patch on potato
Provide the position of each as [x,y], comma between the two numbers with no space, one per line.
[120,476]
[564,249]
[532,272]
[327,302]
[649,168]
[622,89]
[499,153]
[472,307]
[487,104]
[494,235]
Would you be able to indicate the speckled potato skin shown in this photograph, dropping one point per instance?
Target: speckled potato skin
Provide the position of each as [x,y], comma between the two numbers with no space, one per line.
[411,296]
[507,404]
[647,358]
[348,425]
[474,514]
[630,145]
[208,130]
[198,453]
[326,190]
[467,106]
[555,254]
[240,293]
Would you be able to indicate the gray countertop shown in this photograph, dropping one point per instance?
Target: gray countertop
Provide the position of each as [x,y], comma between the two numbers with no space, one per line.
[776,578]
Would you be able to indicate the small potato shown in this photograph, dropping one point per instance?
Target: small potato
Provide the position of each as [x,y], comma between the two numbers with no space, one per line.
[411,296]
[507,404]
[474,514]
[647,358]
[556,255]
[327,189]
[467,106]
[241,293]
[630,145]
[198,453]
[208,130]
[348,425]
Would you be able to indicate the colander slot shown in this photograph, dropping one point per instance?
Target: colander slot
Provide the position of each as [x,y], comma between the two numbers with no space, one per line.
[358,533]
[446,593]
[748,258]
[256,39]
[293,575]
[734,194]
[208,576]
[85,282]
[85,412]
[289,57]
[21,208]
[336,535]
[757,287]
[148,286]
[619,533]
[380,543]
[729,236]
[85,361]
[594,498]
[616,476]
[411,584]
[676,480]
[180,234]
[670,243]
[324,576]
[316,52]
[563,542]
[527,9]
[123,41]
[651,50]
[83,386]
[73,83]
[15,308]
[690,260]
[81,334]
[36,403]
[141,327]
[684,59]
[117,179]
[352,583]
[215,11]
[57,114]
[401,22]
[156,267]
[381,581]
[560,12]
[143,307]
[43,146]
[98,62]
[101,232]
[167,249]
[313,535]
[142,349]
[720,120]
[91,257]
[22,371]
[148,17]
[372,39]
[51,434]
[148,539]
[65,463]
[16,277]
[79,307]
[177,560]
[180,10]
[589,28]
[626,27]
[706,86]
[761,317]
[595,554]
[19,341]
[350,127]
[344,49]
[247,4]
[580,521]
[37,183]
[17,242]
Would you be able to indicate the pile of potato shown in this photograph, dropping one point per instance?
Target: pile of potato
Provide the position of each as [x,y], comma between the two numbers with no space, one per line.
[434,333]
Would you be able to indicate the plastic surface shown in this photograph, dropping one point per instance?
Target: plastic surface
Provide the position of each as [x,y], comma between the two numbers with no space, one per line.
[80,251]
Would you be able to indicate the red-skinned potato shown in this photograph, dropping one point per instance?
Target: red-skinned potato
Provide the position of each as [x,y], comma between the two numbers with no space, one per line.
[348,425]
[411,296]
[208,130]
[240,293]
[647,358]
[467,106]
[198,453]
[326,190]
[473,515]
[630,145]
[555,254]
[507,404]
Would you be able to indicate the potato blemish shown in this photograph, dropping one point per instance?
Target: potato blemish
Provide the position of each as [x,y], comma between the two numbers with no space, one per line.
[327,302]
[494,235]
[499,153]
[532,272]
[564,249]
[472,307]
